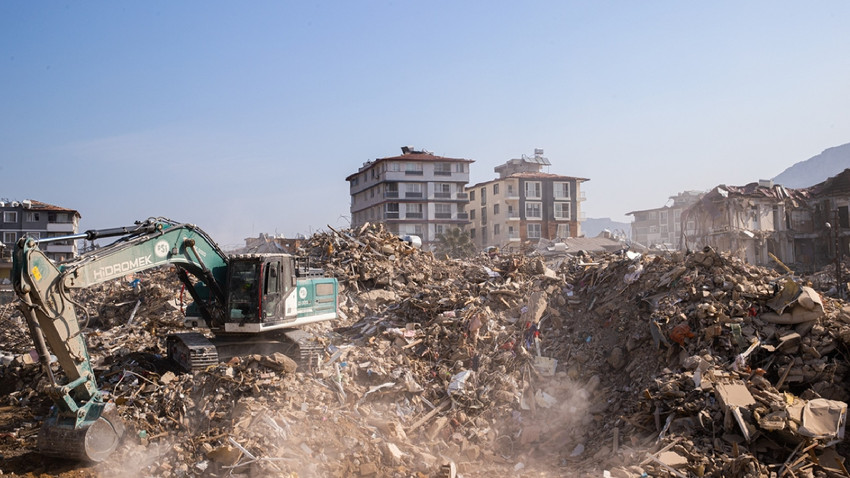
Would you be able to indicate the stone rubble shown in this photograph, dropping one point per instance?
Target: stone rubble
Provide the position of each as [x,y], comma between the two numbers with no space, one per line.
[616,364]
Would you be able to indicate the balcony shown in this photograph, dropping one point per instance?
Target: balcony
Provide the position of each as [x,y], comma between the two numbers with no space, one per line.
[442,195]
[442,215]
[413,215]
[463,216]
[414,173]
[513,236]
[391,215]
[391,194]
[442,173]
[462,196]
[410,195]
[512,216]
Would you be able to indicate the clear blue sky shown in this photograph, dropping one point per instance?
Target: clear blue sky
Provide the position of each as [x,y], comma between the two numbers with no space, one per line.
[245,117]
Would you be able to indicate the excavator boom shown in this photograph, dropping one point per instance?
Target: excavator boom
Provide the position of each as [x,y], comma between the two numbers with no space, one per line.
[236,297]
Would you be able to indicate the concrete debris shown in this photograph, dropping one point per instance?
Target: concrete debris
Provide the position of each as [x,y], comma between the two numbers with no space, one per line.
[633,365]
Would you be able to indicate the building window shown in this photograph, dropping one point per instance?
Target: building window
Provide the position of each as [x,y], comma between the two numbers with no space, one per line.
[510,210]
[443,190]
[443,169]
[653,215]
[653,229]
[533,231]
[511,233]
[472,195]
[413,190]
[496,189]
[391,190]
[483,217]
[392,210]
[472,233]
[10,216]
[31,217]
[395,167]
[495,209]
[562,190]
[533,210]
[10,237]
[563,231]
[510,189]
[442,211]
[496,229]
[459,168]
[413,169]
[533,189]
[438,229]
[472,214]
[662,216]
[413,211]
[562,210]
[483,195]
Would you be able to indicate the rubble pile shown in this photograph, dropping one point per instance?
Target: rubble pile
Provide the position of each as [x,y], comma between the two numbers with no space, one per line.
[508,365]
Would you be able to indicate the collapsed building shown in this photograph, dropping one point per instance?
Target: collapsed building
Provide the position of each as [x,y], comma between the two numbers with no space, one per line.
[586,364]
[760,222]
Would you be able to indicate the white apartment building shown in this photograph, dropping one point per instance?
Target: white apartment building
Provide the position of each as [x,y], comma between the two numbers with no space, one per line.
[416,193]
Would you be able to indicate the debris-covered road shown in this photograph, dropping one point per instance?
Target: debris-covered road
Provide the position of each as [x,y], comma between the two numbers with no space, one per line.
[507,365]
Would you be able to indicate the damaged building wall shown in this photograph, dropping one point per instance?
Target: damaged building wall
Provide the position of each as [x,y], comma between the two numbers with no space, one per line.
[749,221]
[805,228]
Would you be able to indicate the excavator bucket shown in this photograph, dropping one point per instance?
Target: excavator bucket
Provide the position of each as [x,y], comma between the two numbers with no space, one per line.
[93,441]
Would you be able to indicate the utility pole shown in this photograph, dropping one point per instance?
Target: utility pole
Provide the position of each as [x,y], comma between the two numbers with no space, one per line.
[837,232]
[834,233]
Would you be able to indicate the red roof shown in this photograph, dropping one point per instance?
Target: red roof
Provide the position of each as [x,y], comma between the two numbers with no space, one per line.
[414,156]
[43,206]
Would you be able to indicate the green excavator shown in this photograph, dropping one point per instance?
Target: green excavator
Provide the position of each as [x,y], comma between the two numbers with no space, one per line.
[251,303]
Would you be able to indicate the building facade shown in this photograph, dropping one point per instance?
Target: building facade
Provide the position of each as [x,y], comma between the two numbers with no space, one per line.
[416,193]
[39,220]
[662,227]
[524,205]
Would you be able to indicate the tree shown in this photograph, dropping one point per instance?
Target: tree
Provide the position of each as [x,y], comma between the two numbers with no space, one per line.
[455,243]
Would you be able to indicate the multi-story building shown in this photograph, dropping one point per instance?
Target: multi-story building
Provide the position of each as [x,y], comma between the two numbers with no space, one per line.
[662,227]
[415,193]
[524,205]
[39,220]
[752,222]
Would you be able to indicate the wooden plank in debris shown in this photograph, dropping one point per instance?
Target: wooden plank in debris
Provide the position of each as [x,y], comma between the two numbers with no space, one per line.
[442,406]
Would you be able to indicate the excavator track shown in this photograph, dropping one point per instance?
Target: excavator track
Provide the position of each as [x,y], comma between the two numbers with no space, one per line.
[307,352]
[194,352]
[191,351]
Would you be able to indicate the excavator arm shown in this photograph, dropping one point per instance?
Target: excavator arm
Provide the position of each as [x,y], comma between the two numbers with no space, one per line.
[82,424]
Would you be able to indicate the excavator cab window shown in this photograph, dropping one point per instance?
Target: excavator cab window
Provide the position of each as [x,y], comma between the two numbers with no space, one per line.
[244,293]
[271,293]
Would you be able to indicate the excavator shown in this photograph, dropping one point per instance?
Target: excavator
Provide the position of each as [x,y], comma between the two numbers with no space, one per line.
[251,303]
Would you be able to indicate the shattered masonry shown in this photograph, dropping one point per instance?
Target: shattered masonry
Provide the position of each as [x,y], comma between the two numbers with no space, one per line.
[512,365]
